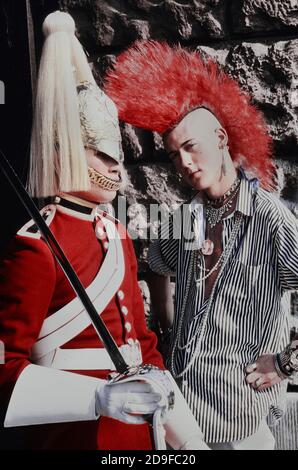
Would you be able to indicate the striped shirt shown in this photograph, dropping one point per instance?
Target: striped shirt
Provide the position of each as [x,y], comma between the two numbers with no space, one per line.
[246,315]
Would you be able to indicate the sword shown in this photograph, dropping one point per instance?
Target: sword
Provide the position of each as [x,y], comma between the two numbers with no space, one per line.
[58,253]
[124,372]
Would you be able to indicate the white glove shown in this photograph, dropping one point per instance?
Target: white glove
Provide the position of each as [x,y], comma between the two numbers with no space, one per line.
[182,429]
[127,402]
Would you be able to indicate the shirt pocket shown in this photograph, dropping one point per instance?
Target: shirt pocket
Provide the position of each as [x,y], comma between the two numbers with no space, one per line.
[252,284]
[250,273]
[241,281]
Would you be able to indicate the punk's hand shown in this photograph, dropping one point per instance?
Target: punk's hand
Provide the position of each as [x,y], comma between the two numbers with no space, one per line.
[262,374]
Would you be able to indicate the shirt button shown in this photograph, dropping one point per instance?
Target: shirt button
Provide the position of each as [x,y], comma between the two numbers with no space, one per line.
[120,294]
[130,341]
[124,310]
[106,245]
[127,326]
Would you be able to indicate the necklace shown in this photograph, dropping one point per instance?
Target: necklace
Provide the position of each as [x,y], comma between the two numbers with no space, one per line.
[200,332]
[225,253]
[215,202]
[215,214]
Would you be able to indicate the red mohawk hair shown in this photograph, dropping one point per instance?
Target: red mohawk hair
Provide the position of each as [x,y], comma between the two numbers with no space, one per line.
[155,85]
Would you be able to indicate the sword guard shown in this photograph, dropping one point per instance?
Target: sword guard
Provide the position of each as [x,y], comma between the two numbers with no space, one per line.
[157,378]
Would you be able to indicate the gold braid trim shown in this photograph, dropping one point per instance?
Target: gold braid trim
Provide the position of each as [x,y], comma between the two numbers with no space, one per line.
[103,181]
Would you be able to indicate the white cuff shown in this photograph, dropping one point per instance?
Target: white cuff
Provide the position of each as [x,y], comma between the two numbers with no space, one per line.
[182,429]
[42,395]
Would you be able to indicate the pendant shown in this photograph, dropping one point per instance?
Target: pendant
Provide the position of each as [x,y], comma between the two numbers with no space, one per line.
[207,247]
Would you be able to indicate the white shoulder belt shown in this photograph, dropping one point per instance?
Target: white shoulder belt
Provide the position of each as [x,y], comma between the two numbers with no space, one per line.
[72,319]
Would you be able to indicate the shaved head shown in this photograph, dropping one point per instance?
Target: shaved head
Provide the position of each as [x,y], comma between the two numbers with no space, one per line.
[198,146]
[201,118]
[200,122]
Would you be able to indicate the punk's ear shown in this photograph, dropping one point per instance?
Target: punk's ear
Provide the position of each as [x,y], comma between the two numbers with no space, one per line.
[222,136]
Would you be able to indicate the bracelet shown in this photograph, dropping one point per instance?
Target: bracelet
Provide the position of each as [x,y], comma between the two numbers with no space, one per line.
[281,372]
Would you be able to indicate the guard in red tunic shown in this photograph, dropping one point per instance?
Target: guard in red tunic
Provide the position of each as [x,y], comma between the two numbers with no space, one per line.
[53,383]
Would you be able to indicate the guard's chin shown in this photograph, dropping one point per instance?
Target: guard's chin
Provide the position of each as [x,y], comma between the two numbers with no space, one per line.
[103,181]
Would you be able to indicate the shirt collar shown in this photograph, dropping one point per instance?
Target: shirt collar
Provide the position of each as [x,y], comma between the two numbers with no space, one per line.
[244,200]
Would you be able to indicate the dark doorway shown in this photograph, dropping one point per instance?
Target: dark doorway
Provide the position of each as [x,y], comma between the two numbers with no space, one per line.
[16,112]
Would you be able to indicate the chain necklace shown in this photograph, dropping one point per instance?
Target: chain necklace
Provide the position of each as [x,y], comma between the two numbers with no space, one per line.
[199,334]
[215,202]
[215,214]
[223,259]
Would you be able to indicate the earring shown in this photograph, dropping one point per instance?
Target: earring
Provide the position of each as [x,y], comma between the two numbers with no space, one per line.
[223,164]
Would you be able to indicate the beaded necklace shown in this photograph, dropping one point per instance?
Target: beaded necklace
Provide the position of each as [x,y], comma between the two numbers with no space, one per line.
[199,334]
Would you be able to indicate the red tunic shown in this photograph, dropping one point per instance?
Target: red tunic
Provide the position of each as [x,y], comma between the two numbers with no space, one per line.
[33,287]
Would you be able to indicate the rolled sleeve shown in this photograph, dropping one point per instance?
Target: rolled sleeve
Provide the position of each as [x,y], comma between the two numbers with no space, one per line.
[163,252]
[156,261]
[287,252]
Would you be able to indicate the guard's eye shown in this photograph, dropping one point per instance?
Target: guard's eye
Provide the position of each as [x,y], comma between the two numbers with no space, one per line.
[104,157]
[100,154]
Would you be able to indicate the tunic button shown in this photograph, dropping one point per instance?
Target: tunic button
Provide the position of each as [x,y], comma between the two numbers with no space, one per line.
[120,294]
[99,231]
[128,326]
[106,245]
[124,310]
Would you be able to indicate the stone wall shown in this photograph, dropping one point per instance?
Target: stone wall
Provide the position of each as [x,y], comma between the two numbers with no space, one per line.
[257,43]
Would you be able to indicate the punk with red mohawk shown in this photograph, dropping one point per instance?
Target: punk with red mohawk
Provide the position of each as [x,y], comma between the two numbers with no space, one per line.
[226,334]
[155,85]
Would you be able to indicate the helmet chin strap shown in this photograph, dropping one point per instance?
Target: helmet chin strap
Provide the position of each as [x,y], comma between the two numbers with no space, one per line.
[103,181]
